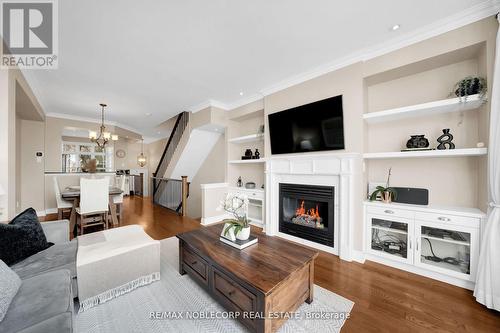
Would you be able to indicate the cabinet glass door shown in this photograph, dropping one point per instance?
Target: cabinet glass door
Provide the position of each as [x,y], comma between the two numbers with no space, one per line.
[390,238]
[444,249]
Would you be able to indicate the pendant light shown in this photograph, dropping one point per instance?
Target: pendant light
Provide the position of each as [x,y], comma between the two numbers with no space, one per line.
[103,136]
[141,159]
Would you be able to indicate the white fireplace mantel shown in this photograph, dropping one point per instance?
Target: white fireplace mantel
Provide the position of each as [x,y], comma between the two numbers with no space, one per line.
[336,170]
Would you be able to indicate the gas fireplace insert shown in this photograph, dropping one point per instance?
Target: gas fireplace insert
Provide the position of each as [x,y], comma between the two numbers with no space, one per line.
[306,211]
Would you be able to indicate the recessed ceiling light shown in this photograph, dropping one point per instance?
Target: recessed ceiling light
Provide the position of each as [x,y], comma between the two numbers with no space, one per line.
[148,114]
[159,132]
[395,27]
[241,93]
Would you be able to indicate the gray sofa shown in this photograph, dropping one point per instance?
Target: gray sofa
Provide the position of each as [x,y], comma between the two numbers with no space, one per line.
[44,302]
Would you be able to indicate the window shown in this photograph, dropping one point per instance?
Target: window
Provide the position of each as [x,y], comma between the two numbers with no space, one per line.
[75,156]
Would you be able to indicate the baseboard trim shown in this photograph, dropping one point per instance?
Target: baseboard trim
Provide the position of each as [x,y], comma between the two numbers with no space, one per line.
[358,256]
[214,219]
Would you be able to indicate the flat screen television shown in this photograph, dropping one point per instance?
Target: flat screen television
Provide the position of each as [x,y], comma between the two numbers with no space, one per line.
[311,127]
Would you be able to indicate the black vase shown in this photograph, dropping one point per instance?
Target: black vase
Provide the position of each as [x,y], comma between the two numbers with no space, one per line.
[445,140]
[248,153]
[256,154]
[417,141]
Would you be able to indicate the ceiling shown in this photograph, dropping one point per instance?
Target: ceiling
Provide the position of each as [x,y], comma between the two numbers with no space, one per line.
[149,60]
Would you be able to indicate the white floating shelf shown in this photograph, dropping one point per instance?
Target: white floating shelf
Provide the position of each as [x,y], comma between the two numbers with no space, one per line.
[425,109]
[428,153]
[248,138]
[260,160]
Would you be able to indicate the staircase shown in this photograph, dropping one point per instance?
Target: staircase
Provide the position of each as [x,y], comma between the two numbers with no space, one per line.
[191,141]
[167,192]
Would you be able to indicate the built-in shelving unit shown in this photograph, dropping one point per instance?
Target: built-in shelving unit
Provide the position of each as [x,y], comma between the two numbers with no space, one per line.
[254,161]
[248,138]
[426,109]
[428,153]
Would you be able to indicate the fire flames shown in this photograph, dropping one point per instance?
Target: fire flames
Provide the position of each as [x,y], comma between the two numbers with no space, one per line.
[311,213]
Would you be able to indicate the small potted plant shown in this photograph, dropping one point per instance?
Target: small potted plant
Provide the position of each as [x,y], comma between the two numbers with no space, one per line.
[236,205]
[387,193]
[470,86]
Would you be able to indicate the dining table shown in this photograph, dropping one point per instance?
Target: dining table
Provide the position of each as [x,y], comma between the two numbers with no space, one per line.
[72,193]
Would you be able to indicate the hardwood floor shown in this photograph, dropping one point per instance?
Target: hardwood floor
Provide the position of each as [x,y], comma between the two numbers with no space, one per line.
[386,299]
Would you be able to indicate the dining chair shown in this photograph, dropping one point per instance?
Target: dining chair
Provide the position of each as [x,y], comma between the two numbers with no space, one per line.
[94,203]
[124,184]
[62,205]
[117,198]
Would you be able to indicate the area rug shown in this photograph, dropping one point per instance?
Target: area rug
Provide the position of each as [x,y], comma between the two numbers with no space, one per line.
[170,304]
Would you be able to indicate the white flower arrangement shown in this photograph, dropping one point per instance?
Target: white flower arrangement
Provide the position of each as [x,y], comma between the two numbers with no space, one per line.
[237,205]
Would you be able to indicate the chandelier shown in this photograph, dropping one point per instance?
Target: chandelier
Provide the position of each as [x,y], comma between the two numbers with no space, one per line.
[141,158]
[103,136]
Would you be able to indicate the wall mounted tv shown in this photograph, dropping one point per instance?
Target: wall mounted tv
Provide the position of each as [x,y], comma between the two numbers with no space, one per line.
[315,126]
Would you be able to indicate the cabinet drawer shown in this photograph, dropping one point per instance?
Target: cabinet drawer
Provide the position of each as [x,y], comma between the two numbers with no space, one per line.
[232,293]
[390,211]
[250,193]
[196,264]
[448,219]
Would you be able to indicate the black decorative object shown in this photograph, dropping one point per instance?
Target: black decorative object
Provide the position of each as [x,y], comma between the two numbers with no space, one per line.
[417,141]
[256,154]
[239,183]
[248,154]
[22,237]
[445,140]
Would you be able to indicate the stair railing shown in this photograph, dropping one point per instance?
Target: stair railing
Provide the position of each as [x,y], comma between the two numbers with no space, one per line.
[173,141]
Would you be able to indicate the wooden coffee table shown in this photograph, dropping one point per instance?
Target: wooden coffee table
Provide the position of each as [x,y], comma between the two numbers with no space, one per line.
[260,283]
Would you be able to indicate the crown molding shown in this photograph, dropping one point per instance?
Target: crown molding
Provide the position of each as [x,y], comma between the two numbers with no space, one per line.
[208,103]
[245,101]
[456,21]
[91,120]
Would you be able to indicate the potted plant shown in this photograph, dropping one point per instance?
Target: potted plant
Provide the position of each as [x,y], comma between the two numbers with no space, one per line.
[236,205]
[387,193]
[470,86]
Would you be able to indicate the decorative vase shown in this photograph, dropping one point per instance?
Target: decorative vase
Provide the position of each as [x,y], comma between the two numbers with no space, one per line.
[257,154]
[248,153]
[445,139]
[239,183]
[243,234]
[417,141]
[386,196]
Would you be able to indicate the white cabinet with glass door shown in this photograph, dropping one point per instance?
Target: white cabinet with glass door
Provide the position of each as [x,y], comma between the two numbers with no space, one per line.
[446,249]
[390,237]
[441,243]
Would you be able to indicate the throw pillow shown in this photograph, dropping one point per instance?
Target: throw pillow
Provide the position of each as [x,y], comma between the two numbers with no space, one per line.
[9,285]
[21,238]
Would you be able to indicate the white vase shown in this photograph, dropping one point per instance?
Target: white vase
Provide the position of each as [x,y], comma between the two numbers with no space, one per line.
[243,234]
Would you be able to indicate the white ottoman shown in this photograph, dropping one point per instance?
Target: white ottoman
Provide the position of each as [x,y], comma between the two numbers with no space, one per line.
[113,262]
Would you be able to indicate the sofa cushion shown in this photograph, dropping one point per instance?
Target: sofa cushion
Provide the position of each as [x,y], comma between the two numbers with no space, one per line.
[42,301]
[22,237]
[9,285]
[58,256]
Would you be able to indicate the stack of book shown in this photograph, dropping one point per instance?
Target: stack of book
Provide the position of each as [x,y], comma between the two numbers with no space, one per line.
[239,244]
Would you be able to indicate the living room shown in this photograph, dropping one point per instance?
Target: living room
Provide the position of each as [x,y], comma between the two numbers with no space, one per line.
[315,168]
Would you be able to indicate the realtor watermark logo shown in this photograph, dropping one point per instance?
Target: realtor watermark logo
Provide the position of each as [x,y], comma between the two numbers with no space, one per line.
[29,31]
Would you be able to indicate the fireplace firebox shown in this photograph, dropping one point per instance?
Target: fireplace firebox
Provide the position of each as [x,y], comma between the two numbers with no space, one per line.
[306,211]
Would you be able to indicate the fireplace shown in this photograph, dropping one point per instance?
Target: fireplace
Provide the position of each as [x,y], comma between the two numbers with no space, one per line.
[306,211]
